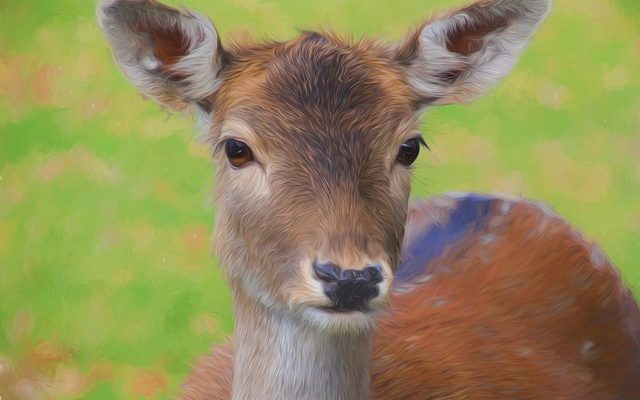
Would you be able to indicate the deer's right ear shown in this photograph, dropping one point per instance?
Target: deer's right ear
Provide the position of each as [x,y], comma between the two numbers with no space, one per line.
[172,56]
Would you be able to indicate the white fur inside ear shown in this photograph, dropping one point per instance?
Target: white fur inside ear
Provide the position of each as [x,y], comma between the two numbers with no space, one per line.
[444,76]
[202,61]
[150,63]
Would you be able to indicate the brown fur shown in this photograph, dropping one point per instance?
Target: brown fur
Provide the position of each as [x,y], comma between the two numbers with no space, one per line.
[497,322]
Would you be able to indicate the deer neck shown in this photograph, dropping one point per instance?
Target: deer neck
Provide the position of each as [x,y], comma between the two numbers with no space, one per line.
[279,357]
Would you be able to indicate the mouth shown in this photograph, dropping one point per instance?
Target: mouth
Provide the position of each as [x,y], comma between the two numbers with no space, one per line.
[336,310]
[363,309]
[341,319]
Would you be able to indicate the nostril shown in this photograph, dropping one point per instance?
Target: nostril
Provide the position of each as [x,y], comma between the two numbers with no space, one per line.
[326,272]
[373,274]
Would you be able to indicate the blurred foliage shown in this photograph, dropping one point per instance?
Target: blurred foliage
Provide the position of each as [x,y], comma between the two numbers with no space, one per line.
[107,285]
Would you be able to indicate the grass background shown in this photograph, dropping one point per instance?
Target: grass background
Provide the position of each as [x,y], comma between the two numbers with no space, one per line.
[107,286]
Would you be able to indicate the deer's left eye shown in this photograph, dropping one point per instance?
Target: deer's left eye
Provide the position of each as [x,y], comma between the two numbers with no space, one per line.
[408,152]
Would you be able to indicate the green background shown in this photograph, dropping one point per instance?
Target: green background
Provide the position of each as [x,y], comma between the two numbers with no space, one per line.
[108,288]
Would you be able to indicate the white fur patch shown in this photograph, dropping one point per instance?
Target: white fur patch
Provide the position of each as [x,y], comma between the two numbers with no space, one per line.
[150,63]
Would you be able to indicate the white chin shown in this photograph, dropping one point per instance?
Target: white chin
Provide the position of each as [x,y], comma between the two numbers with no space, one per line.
[339,321]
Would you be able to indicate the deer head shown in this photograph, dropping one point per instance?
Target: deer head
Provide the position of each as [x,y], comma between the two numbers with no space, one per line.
[314,139]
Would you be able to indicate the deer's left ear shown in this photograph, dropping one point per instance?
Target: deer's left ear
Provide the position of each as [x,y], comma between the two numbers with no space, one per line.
[457,56]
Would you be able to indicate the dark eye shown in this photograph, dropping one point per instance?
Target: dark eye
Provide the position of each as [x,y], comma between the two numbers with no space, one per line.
[238,153]
[409,151]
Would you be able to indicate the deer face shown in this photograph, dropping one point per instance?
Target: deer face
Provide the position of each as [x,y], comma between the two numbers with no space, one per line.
[313,171]
[314,139]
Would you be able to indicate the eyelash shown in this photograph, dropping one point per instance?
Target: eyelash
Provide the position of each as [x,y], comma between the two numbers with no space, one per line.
[218,147]
[423,142]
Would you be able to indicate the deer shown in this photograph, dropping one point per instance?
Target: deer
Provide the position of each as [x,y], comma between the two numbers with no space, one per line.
[342,287]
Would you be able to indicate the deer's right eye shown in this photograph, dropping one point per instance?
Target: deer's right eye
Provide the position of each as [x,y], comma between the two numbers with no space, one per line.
[409,151]
[238,153]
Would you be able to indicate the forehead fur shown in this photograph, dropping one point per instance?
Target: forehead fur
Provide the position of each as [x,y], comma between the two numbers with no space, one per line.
[316,85]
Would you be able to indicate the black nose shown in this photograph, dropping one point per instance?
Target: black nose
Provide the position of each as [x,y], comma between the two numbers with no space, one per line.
[350,289]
